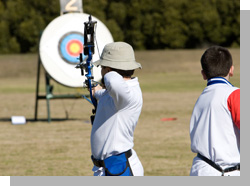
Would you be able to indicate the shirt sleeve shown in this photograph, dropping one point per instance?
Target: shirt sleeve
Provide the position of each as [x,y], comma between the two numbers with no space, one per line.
[99,93]
[117,88]
[233,103]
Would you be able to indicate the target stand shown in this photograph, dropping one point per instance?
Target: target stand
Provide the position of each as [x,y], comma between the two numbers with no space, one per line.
[49,92]
[59,48]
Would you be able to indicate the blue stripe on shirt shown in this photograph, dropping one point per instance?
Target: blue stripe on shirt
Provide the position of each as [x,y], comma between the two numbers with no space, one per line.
[217,80]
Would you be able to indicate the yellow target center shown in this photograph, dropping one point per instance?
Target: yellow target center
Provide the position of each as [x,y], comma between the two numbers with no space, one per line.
[74,48]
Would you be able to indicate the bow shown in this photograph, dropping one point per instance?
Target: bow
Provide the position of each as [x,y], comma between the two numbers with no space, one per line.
[89,50]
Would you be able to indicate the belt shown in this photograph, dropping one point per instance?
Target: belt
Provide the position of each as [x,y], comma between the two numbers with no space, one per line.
[217,167]
[100,163]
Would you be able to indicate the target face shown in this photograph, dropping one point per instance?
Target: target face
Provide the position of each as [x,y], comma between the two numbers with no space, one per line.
[62,42]
[70,46]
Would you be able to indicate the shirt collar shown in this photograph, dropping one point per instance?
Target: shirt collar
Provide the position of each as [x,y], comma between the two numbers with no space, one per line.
[218,80]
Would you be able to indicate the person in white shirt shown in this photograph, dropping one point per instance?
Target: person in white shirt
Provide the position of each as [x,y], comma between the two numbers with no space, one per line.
[215,121]
[119,107]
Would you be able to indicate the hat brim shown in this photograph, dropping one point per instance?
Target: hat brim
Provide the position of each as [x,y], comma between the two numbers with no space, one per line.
[121,65]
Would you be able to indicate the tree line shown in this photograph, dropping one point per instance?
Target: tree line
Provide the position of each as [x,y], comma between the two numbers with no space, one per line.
[145,24]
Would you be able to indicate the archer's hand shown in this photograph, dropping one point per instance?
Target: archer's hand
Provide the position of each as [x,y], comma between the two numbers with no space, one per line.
[96,88]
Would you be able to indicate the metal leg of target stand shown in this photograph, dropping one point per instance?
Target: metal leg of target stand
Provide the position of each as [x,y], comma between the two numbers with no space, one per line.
[48,89]
[37,86]
[48,109]
[48,95]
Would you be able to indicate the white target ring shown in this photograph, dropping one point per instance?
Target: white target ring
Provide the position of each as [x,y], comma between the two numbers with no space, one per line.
[61,43]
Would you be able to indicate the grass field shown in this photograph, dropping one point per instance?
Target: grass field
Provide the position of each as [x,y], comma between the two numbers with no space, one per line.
[170,81]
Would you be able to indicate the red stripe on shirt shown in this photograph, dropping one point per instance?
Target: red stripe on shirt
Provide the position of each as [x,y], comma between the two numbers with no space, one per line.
[233,104]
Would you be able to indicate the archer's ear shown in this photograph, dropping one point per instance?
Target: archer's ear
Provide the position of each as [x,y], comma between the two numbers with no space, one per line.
[203,75]
[231,71]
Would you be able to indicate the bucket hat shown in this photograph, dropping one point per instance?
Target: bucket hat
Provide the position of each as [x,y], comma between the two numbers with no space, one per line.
[118,55]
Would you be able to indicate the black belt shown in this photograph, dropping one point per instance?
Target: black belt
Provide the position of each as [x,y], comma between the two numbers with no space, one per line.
[100,163]
[217,167]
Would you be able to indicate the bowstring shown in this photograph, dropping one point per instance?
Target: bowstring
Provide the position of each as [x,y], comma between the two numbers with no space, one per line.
[96,41]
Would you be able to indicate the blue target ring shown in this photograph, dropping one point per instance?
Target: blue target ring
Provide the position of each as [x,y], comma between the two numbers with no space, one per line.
[70,46]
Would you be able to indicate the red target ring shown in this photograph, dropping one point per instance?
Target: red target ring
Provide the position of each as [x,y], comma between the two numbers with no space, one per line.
[74,47]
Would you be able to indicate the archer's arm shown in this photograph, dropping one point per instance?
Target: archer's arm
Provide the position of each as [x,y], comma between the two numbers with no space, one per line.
[118,89]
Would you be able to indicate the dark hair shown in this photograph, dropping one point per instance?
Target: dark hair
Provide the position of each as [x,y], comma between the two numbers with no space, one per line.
[216,62]
[124,73]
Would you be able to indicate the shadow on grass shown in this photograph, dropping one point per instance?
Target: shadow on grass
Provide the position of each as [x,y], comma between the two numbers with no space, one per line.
[43,120]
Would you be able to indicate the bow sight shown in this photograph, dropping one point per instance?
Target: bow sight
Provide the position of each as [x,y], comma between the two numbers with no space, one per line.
[89,50]
[89,39]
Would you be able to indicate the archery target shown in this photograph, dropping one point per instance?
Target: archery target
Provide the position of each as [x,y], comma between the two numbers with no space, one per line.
[70,46]
[62,42]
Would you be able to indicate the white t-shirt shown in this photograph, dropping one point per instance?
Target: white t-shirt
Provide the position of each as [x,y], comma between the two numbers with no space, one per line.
[118,111]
